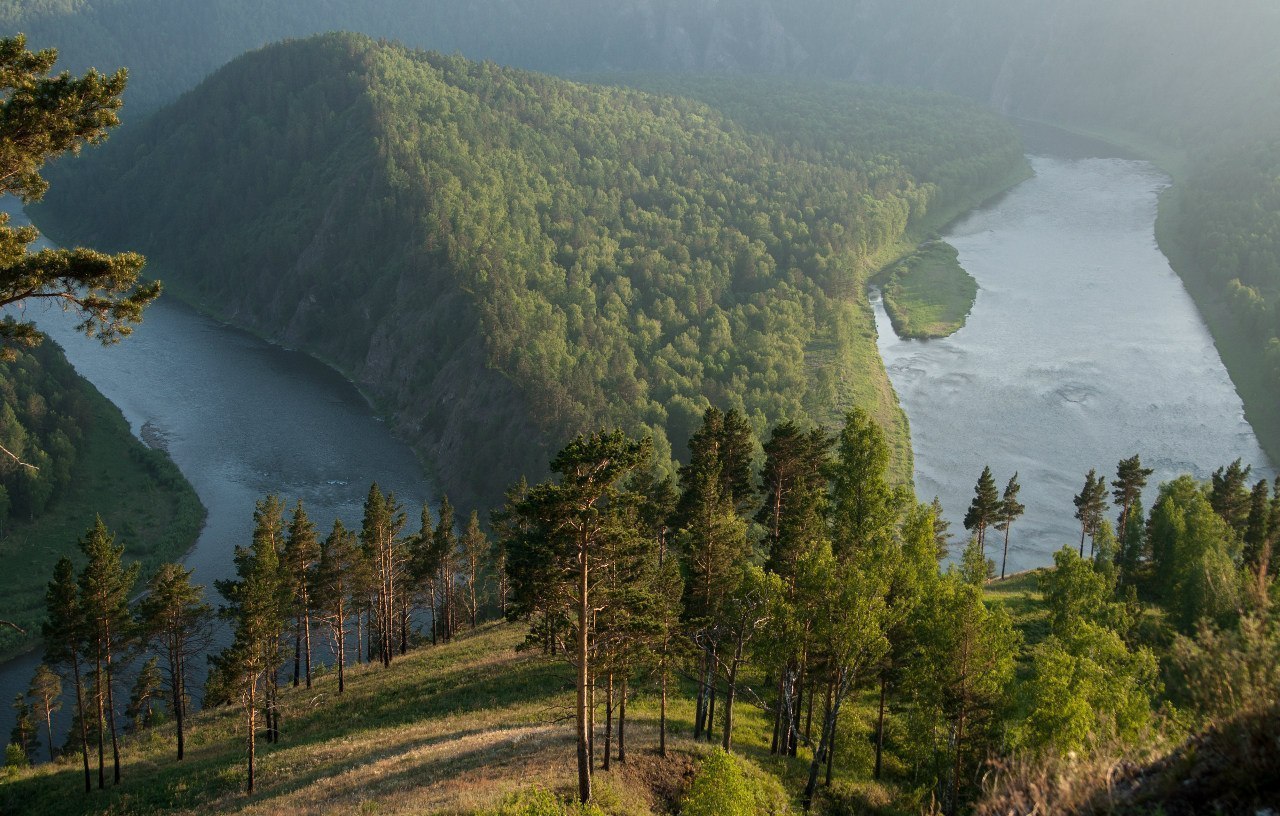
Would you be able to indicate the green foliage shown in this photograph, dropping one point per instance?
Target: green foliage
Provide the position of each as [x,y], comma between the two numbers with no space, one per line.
[726,785]
[1195,554]
[1086,689]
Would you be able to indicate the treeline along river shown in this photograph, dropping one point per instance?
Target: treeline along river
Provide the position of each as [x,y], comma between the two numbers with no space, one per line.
[241,418]
[1082,349]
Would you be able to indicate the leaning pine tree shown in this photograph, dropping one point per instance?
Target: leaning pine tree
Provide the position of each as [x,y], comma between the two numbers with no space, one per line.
[64,636]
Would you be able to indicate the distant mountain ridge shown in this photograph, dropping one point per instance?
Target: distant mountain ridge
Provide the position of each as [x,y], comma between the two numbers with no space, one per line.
[501,259]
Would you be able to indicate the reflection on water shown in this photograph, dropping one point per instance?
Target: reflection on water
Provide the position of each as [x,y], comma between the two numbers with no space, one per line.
[1083,348]
[241,418]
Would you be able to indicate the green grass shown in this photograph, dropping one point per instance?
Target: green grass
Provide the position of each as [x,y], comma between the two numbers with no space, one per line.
[928,294]
[138,491]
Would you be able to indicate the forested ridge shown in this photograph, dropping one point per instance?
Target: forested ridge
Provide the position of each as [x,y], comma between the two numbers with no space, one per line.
[503,259]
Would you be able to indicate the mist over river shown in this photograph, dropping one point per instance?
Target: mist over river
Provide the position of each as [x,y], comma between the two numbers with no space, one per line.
[1082,349]
[241,418]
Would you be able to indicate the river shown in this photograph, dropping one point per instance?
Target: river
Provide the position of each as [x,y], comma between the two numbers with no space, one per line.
[1082,348]
[241,418]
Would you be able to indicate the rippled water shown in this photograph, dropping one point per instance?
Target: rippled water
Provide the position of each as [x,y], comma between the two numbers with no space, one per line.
[241,418]
[1083,348]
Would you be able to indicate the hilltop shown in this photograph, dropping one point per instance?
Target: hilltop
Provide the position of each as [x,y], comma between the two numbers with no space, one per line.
[501,259]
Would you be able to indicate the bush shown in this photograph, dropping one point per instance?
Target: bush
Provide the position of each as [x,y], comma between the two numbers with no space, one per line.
[728,786]
[541,802]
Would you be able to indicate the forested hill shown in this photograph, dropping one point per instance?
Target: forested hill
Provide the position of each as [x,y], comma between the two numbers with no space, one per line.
[502,258]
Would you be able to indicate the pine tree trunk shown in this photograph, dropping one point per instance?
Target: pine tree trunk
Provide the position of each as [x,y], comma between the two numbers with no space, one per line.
[777,715]
[794,732]
[584,736]
[175,659]
[700,707]
[306,637]
[711,705]
[84,729]
[608,721]
[831,749]
[808,718]
[824,743]
[342,647]
[1005,558]
[253,726]
[662,717]
[102,749]
[622,722]
[730,694]
[48,725]
[359,633]
[297,650]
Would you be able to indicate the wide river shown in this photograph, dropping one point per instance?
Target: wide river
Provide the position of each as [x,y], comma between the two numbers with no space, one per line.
[241,418]
[1083,348]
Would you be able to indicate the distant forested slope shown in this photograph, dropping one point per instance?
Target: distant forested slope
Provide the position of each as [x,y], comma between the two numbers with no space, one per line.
[502,258]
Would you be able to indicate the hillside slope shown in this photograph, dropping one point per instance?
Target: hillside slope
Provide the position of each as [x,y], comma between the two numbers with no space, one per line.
[502,259]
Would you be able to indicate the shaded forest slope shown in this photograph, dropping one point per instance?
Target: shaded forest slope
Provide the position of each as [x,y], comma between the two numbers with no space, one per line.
[501,259]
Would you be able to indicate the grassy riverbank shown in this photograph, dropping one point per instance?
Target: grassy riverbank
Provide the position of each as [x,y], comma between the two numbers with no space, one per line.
[928,293]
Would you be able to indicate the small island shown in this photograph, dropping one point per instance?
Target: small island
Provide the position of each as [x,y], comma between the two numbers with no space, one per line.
[928,294]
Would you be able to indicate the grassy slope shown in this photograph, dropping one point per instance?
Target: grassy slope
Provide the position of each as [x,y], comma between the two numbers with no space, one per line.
[449,729]
[928,293]
[139,493]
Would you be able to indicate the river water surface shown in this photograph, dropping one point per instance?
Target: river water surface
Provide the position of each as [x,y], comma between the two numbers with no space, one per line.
[241,418]
[1082,349]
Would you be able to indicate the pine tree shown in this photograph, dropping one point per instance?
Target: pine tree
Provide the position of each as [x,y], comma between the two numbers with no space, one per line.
[41,118]
[65,632]
[105,584]
[147,686]
[863,505]
[1257,527]
[569,525]
[336,581]
[1229,497]
[1090,503]
[257,607]
[24,734]
[1131,477]
[473,547]
[984,510]
[45,693]
[1010,510]
[301,551]
[793,483]
[380,539]
[176,623]
[941,538]
[444,546]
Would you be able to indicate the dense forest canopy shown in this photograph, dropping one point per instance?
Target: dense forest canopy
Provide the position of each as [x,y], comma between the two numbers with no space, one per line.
[613,256]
